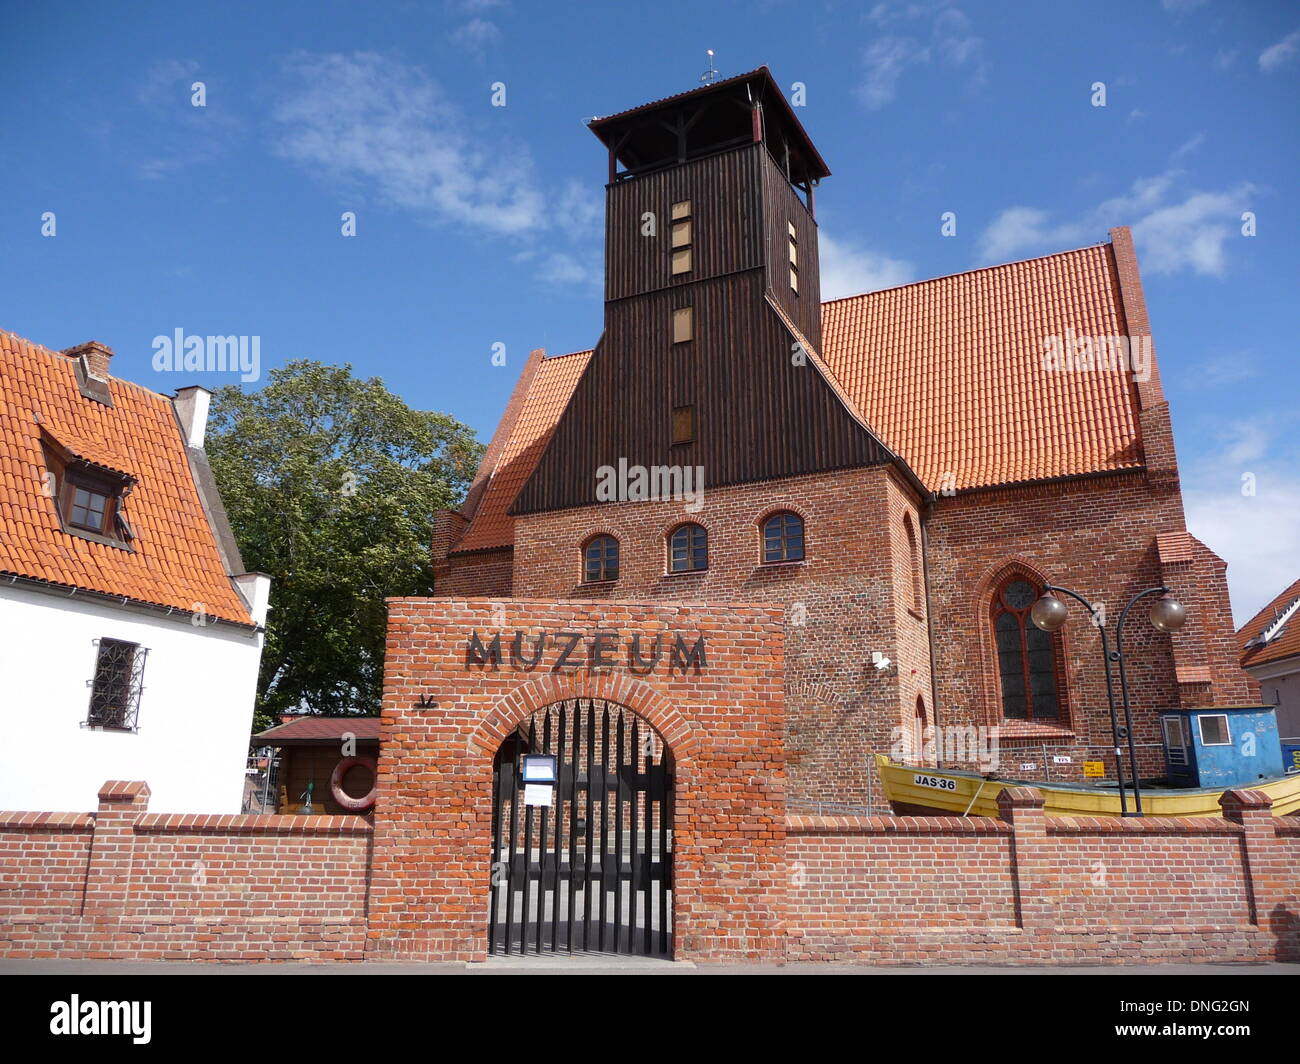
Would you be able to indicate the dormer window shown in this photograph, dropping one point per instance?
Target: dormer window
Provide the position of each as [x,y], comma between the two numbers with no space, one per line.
[89,498]
[90,504]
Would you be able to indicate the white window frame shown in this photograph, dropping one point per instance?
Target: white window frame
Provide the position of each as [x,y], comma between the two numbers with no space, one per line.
[1227,728]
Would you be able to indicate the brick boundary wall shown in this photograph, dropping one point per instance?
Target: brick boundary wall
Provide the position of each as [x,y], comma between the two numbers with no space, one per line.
[125,884]
[1029,888]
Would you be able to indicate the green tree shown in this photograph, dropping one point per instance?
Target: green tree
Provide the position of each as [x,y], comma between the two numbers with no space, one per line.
[331,483]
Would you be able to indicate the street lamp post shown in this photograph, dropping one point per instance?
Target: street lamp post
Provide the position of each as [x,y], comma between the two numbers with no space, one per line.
[1167,615]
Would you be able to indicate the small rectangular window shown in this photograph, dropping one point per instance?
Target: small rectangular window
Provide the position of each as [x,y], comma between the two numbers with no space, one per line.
[681,234]
[681,209]
[1214,730]
[682,261]
[794,235]
[683,424]
[683,325]
[115,688]
[794,279]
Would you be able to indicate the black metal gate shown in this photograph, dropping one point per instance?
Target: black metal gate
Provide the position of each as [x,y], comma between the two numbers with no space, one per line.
[593,870]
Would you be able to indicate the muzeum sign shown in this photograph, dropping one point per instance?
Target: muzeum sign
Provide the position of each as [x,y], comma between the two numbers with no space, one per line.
[599,649]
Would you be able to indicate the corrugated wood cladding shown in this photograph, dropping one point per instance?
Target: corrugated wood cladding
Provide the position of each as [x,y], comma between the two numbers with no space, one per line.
[725,192]
[783,207]
[757,415]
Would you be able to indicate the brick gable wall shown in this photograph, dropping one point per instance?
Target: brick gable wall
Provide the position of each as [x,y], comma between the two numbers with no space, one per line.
[850,596]
[1097,537]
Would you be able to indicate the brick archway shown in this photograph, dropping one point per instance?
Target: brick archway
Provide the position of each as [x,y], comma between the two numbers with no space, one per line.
[447,709]
[636,695]
[586,864]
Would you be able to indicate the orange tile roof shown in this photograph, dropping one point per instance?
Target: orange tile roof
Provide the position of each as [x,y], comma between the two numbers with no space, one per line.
[175,560]
[492,526]
[949,374]
[1285,643]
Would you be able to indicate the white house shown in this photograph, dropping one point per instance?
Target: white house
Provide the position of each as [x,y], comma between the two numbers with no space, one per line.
[130,635]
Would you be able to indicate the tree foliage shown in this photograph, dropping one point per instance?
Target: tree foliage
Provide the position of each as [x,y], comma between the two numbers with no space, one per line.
[331,483]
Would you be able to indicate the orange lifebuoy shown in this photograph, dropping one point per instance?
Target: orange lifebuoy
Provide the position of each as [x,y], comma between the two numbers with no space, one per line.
[356,805]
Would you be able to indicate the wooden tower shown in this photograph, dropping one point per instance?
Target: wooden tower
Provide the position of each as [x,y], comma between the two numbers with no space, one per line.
[710,351]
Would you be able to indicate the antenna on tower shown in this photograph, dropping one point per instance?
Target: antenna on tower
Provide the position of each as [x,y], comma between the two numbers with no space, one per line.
[711,74]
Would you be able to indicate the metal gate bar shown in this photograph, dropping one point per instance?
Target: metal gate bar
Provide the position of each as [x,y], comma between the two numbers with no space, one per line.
[535,886]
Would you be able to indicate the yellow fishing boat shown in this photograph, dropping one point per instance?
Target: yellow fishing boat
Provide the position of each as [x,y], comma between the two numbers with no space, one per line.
[950,792]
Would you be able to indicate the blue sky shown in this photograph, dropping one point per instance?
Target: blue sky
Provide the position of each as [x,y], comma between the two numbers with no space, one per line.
[480,225]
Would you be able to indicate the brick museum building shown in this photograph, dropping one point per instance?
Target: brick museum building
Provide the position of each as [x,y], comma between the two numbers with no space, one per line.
[707,571]
[900,472]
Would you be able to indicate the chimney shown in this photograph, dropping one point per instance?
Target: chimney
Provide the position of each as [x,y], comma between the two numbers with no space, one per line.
[95,355]
[192,409]
[256,590]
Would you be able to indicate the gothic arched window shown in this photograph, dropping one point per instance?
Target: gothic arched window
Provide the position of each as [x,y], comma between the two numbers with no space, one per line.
[1028,666]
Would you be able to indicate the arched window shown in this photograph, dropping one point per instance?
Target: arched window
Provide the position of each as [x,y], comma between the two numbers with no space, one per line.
[688,549]
[918,729]
[1027,656]
[914,562]
[783,538]
[600,560]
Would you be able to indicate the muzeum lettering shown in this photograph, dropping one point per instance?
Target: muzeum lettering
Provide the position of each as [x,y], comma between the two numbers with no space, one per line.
[604,649]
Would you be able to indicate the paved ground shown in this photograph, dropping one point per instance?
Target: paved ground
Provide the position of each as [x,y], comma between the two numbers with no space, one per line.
[612,966]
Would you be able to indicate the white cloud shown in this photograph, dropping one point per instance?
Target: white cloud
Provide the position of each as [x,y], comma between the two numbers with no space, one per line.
[885,60]
[370,121]
[564,269]
[178,135]
[476,36]
[1171,234]
[1190,235]
[1224,369]
[579,210]
[1223,60]
[1257,535]
[951,36]
[848,269]
[1017,228]
[1189,145]
[1283,51]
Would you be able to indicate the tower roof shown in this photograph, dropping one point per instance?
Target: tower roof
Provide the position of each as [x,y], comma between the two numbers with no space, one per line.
[716,116]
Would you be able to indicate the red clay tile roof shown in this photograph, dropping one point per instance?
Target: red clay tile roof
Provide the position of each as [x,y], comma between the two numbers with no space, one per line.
[323,729]
[549,394]
[175,560]
[948,373]
[1285,642]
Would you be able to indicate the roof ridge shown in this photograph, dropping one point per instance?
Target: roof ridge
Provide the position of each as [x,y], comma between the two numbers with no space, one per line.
[567,354]
[964,273]
[59,355]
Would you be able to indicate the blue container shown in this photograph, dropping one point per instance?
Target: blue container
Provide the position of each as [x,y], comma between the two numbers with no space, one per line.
[1233,746]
